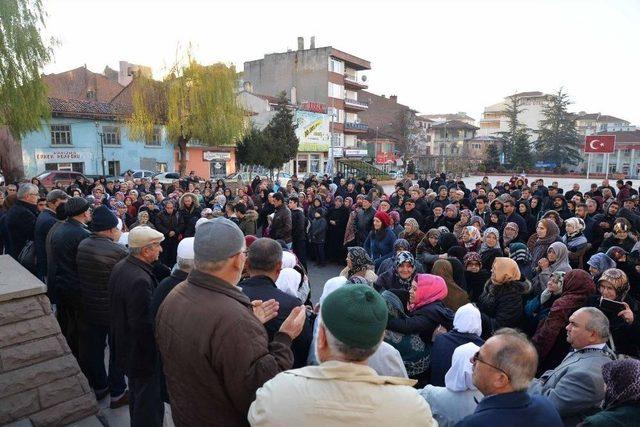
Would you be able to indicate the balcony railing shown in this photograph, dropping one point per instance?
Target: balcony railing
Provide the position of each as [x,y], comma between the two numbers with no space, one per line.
[356,126]
[354,81]
[356,103]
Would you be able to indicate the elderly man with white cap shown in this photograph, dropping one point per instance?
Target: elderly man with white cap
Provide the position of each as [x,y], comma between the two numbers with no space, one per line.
[132,283]
[215,349]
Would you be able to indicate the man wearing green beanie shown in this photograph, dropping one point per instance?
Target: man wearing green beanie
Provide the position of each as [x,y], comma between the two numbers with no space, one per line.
[343,390]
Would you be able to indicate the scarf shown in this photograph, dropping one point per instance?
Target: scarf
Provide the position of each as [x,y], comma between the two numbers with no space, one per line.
[401,258]
[460,376]
[511,226]
[484,247]
[622,378]
[468,320]
[429,288]
[474,235]
[360,260]
[562,257]
[504,270]
[542,244]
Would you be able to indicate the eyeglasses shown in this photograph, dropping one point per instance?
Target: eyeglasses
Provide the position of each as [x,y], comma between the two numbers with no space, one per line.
[476,358]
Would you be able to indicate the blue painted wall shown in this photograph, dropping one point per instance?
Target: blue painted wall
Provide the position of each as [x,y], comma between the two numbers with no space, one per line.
[37,149]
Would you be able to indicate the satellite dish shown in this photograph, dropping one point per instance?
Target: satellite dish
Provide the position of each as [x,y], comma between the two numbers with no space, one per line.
[364,78]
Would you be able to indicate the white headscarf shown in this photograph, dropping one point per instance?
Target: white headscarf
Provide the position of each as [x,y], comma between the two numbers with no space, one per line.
[289,259]
[459,376]
[288,281]
[468,320]
[331,285]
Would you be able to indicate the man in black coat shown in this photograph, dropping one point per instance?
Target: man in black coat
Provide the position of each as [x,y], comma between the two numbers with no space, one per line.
[46,219]
[171,224]
[64,248]
[298,230]
[97,255]
[264,264]
[410,211]
[364,221]
[281,225]
[509,210]
[132,283]
[21,218]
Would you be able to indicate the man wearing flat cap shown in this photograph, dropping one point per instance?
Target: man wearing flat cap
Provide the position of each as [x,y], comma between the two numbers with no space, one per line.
[65,288]
[344,390]
[215,349]
[131,286]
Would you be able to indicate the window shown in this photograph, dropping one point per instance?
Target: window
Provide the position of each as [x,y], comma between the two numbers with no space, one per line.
[161,167]
[337,116]
[315,163]
[337,139]
[75,167]
[110,135]
[156,139]
[336,91]
[60,135]
[302,163]
[114,168]
[336,66]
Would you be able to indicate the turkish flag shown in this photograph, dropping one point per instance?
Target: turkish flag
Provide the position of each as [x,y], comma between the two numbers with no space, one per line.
[599,143]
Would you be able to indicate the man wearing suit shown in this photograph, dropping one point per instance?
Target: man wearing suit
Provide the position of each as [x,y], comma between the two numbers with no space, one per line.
[502,371]
[576,387]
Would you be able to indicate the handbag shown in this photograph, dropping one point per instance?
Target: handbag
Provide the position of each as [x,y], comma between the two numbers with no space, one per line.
[27,257]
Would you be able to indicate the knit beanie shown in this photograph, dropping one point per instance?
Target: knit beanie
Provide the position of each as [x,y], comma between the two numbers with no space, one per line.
[384,218]
[76,206]
[103,219]
[356,315]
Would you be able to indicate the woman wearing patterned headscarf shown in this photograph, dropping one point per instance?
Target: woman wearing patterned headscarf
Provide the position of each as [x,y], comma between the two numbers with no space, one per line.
[359,263]
[490,248]
[624,324]
[621,397]
[574,237]
[412,234]
[470,239]
[557,259]
[400,276]
[430,243]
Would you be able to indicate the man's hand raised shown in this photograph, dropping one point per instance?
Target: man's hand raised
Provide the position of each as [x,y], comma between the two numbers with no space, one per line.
[294,323]
[266,310]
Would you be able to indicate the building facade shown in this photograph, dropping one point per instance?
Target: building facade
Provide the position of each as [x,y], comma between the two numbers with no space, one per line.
[322,75]
[451,147]
[494,120]
[624,160]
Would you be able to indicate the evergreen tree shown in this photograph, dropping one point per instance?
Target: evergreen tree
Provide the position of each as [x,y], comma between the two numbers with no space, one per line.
[249,149]
[280,140]
[492,157]
[521,158]
[558,139]
[515,142]
[23,95]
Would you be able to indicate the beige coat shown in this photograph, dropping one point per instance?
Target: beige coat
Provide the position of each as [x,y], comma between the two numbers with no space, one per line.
[338,393]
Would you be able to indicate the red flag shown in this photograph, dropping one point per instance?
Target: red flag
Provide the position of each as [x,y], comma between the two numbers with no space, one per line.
[599,143]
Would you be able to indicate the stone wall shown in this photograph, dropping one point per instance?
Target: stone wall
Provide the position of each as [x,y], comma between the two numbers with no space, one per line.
[40,381]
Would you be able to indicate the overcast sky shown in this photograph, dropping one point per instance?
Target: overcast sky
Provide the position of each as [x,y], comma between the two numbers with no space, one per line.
[437,56]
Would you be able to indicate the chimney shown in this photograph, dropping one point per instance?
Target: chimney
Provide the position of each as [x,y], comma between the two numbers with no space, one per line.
[300,43]
[248,87]
[313,42]
[394,98]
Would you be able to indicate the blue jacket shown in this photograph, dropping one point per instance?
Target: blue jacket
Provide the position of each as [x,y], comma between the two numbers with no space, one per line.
[513,409]
[380,248]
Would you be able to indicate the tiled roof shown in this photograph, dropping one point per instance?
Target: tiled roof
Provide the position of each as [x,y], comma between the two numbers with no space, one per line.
[599,117]
[84,109]
[77,83]
[454,124]
[455,116]
[534,93]
[624,136]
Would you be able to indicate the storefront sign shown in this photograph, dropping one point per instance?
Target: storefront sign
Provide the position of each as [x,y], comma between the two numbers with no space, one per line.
[62,156]
[313,128]
[314,107]
[350,152]
[319,147]
[209,156]
[337,151]
[384,158]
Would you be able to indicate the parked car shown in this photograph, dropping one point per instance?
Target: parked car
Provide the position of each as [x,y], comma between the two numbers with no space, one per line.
[396,174]
[245,177]
[139,174]
[50,178]
[167,177]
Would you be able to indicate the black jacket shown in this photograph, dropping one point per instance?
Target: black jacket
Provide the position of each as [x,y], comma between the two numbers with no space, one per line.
[298,225]
[21,224]
[45,221]
[64,245]
[131,285]
[442,351]
[95,260]
[523,229]
[165,287]
[281,225]
[263,288]
[166,223]
[501,306]
[423,321]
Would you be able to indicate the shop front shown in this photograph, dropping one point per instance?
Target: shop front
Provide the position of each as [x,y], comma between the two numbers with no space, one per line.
[76,160]
[209,162]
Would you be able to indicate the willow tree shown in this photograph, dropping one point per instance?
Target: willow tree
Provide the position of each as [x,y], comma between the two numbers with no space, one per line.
[23,95]
[195,102]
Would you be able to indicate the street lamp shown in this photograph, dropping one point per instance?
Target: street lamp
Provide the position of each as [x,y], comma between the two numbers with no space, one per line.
[101,135]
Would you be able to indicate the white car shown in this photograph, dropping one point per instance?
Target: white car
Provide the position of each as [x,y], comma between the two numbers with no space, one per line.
[167,177]
[140,174]
[396,174]
[245,177]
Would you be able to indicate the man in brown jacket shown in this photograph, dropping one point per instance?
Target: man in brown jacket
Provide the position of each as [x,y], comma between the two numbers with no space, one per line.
[214,347]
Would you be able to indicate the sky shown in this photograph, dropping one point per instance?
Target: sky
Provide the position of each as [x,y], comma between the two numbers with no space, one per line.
[437,56]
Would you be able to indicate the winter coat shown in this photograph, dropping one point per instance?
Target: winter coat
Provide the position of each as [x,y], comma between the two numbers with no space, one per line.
[166,223]
[423,321]
[626,414]
[189,216]
[448,406]
[380,248]
[217,356]
[298,225]
[20,221]
[95,260]
[388,280]
[318,230]
[281,225]
[414,239]
[625,336]
[248,224]
[45,221]
[263,288]
[340,391]
[501,306]
[64,245]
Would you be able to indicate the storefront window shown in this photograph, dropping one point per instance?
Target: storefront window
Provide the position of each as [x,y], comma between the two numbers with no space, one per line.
[75,167]
[315,163]
[303,165]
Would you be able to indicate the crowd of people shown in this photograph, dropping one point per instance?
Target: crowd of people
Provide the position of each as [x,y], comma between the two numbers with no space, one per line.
[511,303]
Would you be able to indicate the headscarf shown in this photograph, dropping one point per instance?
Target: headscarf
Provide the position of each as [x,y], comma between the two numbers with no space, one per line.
[447,240]
[519,252]
[542,244]
[622,380]
[562,257]
[433,232]
[472,257]
[557,277]
[360,260]
[457,296]
[452,207]
[577,223]
[618,280]
[460,376]
[330,286]
[468,320]
[429,288]
[467,213]
[401,244]
[443,229]
[413,223]
[289,259]
[577,285]
[289,281]
[457,252]
[401,258]
[477,219]
[601,262]
[475,235]
[395,216]
[504,270]
[513,226]
[484,247]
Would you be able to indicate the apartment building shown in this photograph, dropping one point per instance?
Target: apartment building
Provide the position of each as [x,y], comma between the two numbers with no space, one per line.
[494,120]
[323,75]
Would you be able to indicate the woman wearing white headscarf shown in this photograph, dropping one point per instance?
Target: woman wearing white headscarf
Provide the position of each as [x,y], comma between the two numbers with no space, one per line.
[458,398]
[386,361]
[467,327]
[292,279]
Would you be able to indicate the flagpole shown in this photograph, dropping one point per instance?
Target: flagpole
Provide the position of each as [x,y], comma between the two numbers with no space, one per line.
[606,176]
[588,164]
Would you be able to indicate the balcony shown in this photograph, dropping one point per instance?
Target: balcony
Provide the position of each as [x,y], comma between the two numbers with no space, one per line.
[354,104]
[351,127]
[353,83]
